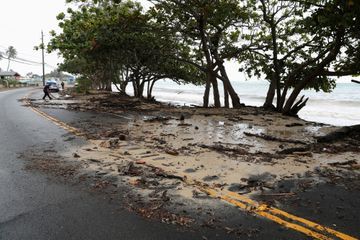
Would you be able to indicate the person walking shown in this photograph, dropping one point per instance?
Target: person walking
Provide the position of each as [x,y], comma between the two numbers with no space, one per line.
[46,91]
[62,85]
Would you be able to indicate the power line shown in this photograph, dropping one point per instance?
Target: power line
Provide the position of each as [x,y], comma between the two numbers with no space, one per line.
[27,62]
[23,60]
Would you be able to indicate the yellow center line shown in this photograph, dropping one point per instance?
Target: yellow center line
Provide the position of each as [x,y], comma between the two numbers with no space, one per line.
[308,223]
[240,201]
[259,211]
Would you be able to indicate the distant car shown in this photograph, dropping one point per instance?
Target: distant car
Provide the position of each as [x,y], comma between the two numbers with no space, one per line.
[53,86]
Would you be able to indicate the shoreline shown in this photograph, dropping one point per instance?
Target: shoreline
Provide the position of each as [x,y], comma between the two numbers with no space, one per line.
[322,107]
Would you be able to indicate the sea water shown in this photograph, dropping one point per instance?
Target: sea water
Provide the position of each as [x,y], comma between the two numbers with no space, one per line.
[341,107]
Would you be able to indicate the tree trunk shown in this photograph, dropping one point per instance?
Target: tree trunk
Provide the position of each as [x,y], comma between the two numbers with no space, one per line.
[148,95]
[151,88]
[206,94]
[227,84]
[135,86]
[108,86]
[123,86]
[270,96]
[226,97]
[216,94]
[291,100]
[141,89]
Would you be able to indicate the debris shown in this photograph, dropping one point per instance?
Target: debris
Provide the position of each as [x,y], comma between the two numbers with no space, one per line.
[94,160]
[122,137]
[140,162]
[130,169]
[170,176]
[301,160]
[294,125]
[188,139]
[351,164]
[340,134]
[157,119]
[272,138]
[237,187]
[200,195]
[190,170]
[165,197]
[150,155]
[294,150]
[172,152]
[75,155]
[184,124]
[210,178]
[110,143]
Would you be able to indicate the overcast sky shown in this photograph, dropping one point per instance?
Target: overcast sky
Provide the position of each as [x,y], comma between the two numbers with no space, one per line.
[21,22]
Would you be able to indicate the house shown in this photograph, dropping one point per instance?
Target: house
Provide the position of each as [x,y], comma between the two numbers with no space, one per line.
[9,75]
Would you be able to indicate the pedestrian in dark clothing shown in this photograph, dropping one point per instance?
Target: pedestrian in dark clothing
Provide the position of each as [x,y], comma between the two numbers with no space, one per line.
[62,85]
[46,91]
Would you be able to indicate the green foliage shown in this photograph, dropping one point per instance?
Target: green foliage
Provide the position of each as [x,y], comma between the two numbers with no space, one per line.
[105,41]
[303,45]
[84,85]
[294,44]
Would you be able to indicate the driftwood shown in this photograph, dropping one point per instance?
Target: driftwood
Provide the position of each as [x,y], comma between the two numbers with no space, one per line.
[169,176]
[350,162]
[295,149]
[355,81]
[339,134]
[221,148]
[272,138]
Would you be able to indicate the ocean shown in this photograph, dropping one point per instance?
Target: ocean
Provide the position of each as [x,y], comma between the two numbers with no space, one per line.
[340,107]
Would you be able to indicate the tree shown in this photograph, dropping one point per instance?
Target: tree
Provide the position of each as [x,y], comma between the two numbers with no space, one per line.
[11,53]
[117,43]
[209,29]
[303,45]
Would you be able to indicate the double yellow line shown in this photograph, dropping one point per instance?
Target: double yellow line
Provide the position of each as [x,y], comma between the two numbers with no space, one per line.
[283,218]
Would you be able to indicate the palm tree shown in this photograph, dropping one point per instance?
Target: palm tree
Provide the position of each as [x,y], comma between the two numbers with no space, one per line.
[10,53]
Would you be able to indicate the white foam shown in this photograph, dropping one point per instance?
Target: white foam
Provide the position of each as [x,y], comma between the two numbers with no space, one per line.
[341,107]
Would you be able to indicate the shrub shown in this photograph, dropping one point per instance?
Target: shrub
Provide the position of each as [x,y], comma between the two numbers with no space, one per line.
[84,85]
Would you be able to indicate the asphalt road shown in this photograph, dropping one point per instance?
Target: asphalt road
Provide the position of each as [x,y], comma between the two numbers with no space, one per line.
[34,206]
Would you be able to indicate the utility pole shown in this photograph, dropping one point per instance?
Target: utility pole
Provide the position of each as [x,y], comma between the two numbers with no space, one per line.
[43,60]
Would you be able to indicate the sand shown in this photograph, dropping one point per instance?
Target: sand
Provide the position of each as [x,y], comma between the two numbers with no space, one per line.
[225,148]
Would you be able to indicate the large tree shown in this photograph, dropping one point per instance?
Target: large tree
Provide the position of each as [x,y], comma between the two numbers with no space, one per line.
[117,43]
[211,31]
[303,45]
